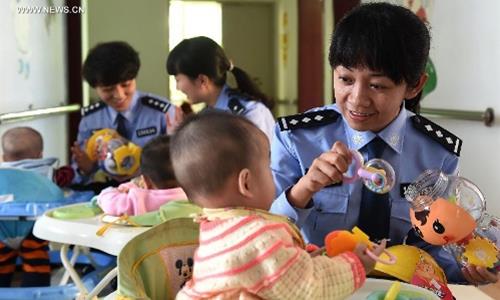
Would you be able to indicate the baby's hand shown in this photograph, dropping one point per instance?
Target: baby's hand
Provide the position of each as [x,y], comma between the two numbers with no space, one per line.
[325,170]
[366,260]
[178,118]
[85,164]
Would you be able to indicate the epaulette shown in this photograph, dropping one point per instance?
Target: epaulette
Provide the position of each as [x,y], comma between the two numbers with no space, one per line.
[308,120]
[447,139]
[155,103]
[235,106]
[92,108]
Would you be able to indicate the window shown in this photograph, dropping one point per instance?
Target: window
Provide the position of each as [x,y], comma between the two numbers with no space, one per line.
[189,19]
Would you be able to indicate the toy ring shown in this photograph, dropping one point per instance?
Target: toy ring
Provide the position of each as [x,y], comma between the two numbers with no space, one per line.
[390,261]
[377,174]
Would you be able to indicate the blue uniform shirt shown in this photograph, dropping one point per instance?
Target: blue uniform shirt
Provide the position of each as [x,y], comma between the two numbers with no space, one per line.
[145,119]
[256,112]
[415,143]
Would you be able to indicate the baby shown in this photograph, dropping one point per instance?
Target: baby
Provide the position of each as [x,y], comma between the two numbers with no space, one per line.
[22,148]
[222,162]
[156,186]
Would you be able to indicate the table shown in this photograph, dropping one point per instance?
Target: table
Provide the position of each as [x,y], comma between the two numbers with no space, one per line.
[82,232]
[466,292]
[461,292]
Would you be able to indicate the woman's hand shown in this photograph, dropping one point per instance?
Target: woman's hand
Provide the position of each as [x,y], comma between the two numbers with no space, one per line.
[325,170]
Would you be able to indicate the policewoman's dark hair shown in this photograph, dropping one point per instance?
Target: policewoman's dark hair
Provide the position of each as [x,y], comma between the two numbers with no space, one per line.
[202,55]
[111,63]
[386,38]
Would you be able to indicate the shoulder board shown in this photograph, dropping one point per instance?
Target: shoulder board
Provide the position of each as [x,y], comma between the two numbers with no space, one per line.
[155,103]
[235,106]
[92,108]
[448,140]
[308,120]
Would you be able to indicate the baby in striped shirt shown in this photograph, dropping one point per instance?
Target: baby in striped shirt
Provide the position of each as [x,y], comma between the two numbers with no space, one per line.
[245,252]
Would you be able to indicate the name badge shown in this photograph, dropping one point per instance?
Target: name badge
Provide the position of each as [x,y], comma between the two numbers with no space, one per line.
[146,131]
[402,188]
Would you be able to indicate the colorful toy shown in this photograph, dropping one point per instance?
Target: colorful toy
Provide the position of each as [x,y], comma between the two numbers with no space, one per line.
[450,211]
[340,241]
[417,267]
[113,153]
[377,174]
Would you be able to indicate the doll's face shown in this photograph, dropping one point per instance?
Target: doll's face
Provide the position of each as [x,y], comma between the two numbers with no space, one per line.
[442,223]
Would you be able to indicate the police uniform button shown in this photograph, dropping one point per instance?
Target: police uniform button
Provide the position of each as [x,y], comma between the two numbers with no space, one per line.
[156,103]
[150,101]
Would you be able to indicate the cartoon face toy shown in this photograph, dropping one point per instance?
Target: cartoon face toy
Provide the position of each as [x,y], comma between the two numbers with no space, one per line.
[114,154]
[442,222]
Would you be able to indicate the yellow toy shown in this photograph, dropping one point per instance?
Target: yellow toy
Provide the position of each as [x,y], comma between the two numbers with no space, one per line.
[114,154]
[417,267]
[340,241]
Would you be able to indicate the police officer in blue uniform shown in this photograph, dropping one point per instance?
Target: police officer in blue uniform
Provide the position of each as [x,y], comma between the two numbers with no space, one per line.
[200,68]
[378,55]
[111,69]
[238,103]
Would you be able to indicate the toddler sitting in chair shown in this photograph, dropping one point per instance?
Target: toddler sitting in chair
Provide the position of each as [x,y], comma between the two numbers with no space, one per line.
[156,186]
[245,252]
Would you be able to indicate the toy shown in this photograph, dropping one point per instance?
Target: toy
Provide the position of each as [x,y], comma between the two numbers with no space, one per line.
[340,241]
[417,267]
[377,174]
[114,154]
[450,211]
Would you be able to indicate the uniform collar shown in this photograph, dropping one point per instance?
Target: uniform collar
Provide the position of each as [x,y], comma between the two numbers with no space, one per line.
[129,113]
[223,99]
[393,134]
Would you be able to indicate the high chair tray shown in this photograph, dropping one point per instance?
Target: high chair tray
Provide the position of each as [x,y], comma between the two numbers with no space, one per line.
[83,232]
[31,210]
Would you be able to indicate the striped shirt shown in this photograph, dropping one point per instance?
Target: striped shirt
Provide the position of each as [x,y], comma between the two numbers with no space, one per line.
[254,257]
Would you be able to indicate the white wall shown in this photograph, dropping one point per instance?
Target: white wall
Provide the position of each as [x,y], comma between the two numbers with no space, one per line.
[33,64]
[466,54]
[465,49]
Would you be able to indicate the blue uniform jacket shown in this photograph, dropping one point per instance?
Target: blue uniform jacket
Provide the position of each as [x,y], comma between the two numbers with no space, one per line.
[416,144]
[255,111]
[145,116]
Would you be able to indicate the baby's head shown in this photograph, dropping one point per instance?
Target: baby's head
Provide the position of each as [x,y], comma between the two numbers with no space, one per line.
[222,160]
[20,143]
[156,165]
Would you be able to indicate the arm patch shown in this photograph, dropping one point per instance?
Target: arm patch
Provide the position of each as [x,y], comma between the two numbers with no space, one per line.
[308,120]
[155,103]
[235,106]
[92,108]
[445,138]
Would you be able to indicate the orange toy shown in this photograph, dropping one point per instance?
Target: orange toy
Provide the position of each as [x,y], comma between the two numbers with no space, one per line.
[339,241]
[443,222]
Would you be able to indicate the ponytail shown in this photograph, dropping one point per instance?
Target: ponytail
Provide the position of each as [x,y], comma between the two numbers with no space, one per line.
[247,86]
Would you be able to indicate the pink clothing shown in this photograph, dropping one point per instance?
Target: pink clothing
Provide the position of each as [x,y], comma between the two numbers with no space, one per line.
[137,200]
[251,257]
